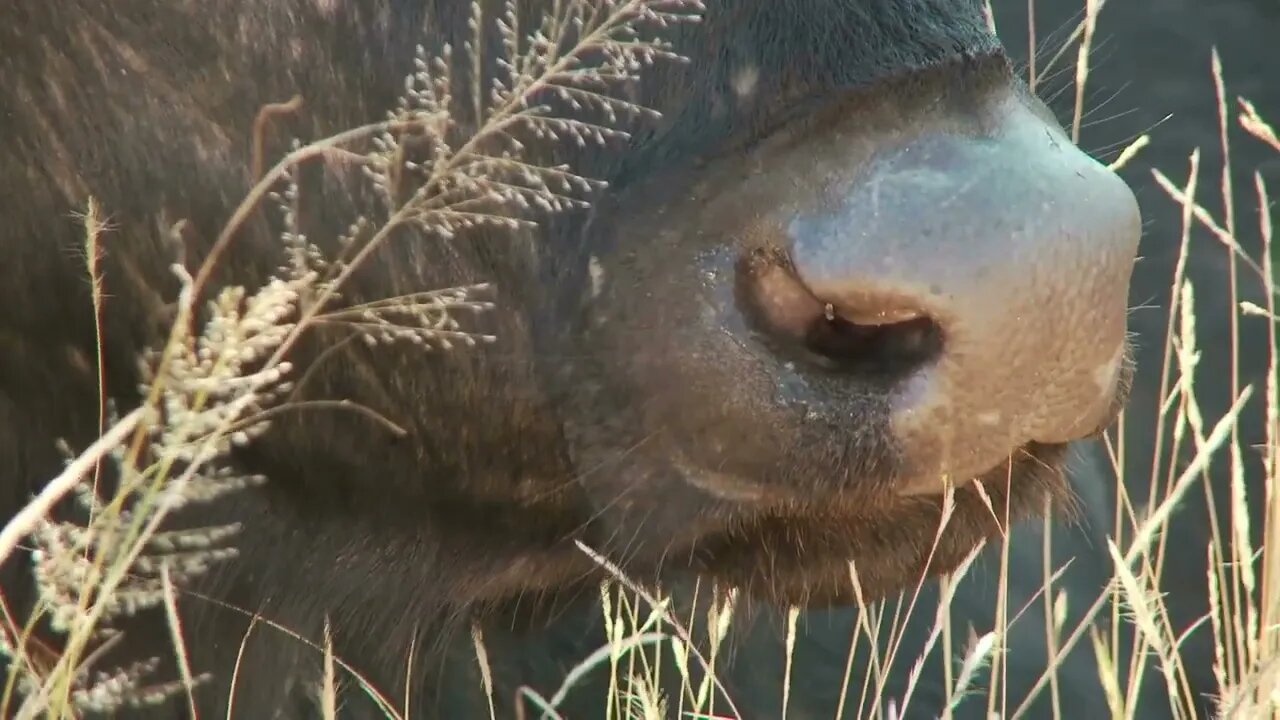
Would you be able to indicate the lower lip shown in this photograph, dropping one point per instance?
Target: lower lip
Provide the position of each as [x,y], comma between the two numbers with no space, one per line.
[719,485]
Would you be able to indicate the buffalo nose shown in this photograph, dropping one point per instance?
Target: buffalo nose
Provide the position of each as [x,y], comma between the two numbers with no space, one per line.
[986,275]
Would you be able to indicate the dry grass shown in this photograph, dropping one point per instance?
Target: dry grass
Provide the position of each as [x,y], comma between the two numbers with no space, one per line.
[224,384]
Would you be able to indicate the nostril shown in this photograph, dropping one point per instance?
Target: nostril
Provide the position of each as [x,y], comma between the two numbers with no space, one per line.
[873,338]
[891,348]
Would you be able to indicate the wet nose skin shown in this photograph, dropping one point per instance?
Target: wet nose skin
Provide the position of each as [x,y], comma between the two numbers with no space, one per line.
[1019,247]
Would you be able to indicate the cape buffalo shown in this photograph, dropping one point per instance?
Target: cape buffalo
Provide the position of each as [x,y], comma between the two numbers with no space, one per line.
[853,262]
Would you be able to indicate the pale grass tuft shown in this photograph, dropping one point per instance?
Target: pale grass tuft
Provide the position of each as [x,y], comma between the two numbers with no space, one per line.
[486,669]
[329,682]
[793,615]
[977,656]
[1145,606]
[1130,152]
[660,608]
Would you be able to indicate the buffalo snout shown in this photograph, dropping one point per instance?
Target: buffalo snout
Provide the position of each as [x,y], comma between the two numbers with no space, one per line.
[975,269]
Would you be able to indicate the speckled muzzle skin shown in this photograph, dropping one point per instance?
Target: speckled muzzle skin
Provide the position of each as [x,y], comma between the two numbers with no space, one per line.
[1019,247]
[967,209]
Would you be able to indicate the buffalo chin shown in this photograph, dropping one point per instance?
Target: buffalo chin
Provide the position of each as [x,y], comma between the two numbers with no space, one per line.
[807,555]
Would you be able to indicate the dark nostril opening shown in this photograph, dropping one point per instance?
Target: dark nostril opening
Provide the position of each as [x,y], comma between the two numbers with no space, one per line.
[885,340]
[883,349]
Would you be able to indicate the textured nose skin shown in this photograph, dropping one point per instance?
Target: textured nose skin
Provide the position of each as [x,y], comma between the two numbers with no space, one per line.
[1019,246]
